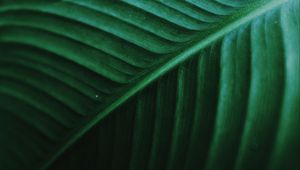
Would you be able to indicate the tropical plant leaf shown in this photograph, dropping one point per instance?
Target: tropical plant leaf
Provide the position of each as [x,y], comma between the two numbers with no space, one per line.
[223,81]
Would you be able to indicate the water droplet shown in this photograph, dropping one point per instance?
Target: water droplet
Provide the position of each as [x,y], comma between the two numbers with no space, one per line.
[96,95]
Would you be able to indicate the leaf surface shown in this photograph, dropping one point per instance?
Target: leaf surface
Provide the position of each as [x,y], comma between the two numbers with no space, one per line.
[223,81]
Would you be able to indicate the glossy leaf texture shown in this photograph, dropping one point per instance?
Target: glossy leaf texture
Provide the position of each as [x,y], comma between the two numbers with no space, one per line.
[221,83]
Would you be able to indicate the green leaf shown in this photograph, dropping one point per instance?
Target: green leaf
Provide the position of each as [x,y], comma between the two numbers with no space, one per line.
[139,84]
